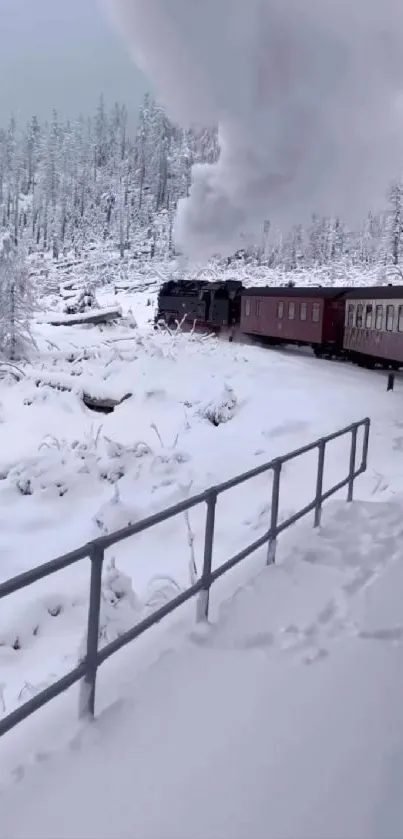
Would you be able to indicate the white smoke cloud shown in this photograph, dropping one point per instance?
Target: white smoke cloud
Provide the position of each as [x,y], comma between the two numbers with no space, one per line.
[306,97]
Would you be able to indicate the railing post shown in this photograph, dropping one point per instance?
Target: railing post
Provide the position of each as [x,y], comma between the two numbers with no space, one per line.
[353,453]
[319,482]
[275,498]
[367,423]
[204,595]
[87,686]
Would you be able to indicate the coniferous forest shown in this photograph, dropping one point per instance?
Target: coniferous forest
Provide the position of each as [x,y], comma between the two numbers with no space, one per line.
[67,186]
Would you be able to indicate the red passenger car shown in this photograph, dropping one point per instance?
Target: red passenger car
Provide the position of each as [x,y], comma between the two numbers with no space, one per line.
[373,331]
[312,316]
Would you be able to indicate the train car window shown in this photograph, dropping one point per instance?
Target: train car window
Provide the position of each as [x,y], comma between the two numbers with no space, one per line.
[303,311]
[368,317]
[400,320]
[350,315]
[378,317]
[258,308]
[315,312]
[390,316]
[280,310]
[247,308]
[358,316]
[291,311]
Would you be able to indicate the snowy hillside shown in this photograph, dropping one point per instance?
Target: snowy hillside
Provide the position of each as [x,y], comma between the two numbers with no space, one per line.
[281,719]
[184,412]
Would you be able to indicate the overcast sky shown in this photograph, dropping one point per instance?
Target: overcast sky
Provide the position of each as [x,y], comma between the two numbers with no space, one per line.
[61,54]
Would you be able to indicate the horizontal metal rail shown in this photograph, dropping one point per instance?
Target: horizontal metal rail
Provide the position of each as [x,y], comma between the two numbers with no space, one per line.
[86,671]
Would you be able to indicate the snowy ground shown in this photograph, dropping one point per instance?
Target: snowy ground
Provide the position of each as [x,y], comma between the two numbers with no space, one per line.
[60,464]
[282,719]
[104,265]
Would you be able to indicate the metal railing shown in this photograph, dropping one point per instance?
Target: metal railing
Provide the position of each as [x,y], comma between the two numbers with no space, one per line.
[86,670]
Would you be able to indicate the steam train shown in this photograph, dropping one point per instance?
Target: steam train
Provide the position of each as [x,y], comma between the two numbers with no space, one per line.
[212,305]
[363,325]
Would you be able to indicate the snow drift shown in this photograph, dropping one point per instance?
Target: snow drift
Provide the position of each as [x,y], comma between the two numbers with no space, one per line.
[307,97]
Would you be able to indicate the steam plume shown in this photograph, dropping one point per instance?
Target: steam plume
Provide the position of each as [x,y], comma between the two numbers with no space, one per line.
[307,95]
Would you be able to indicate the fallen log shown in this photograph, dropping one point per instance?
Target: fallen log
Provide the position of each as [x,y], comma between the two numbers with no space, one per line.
[94,317]
[68,295]
[42,381]
[134,286]
[124,287]
[72,263]
[104,405]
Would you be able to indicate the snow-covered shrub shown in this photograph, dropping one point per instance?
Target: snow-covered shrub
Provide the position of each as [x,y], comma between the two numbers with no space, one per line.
[172,344]
[10,373]
[61,463]
[166,461]
[114,462]
[38,475]
[18,638]
[160,590]
[18,633]
[121,608]
[115,514]
[81,354]
[221,407]
[84,301]
[47,395]
[129,320]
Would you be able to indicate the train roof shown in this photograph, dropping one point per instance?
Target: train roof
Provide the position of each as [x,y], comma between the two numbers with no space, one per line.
[377,292]
[202,284]
[325,292]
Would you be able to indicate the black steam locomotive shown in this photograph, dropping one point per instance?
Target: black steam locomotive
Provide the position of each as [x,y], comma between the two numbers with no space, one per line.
[215,305]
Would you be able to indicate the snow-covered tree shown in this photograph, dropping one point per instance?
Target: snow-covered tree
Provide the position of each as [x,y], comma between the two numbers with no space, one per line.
[16,299]
[394,224]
